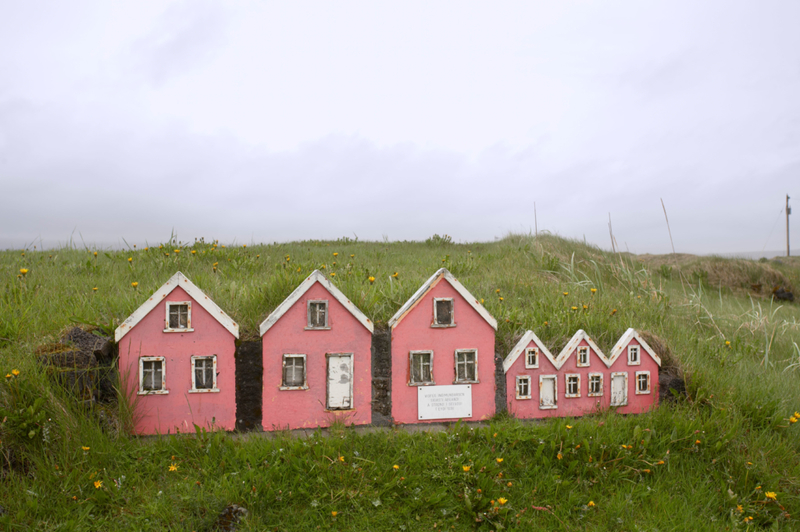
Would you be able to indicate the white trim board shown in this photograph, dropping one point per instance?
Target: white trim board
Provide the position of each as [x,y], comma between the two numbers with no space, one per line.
[429,285]
[315,277]
[519,349]
[572,346]
[166,289]
[623,342]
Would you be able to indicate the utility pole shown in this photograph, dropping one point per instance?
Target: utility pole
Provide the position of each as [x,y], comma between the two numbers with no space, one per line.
[788,212]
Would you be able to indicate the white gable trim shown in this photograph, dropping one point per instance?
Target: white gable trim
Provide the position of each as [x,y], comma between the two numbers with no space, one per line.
[520,349]
[166,289]
[572,346]
[428,286]
[623,342]
[294,297]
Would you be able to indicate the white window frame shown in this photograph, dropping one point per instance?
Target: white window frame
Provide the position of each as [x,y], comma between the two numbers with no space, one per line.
[584,349]
[168,329]
[635,349]
[455,361]
[327,325]
[624,375]
[213,388]
[543,378]
[327,381]
[567,378]
[163,389]
[589,389]
[520,379]
[646,374]
[528,352]
[287,356]
[452,313]
[411,382]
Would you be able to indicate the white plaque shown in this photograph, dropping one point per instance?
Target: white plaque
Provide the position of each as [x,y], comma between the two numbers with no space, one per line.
[444,402]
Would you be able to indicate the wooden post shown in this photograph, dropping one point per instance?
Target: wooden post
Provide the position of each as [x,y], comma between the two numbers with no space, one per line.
[788,212]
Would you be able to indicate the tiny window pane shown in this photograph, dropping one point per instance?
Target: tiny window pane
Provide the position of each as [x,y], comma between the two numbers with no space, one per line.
[595,384]
[152,377]
[583,356]
[178,316]
[643,382]
[421,368]
[204,373]
[633,354]
[572,384]
[532,357]
[294,371]
[465,366]
[523,386]
[444,312]
[318,314]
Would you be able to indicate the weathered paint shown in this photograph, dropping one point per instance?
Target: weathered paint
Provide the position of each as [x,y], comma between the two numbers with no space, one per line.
[648,362]
[348,335]
[178,408]
[413,330]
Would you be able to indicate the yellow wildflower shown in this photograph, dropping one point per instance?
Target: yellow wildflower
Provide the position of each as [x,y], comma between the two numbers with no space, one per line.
[334,513]
[395,467]
[614,311]
[502,500]
[23,271]
[497,291]
[194,252]
[698,442]
[574,308]
[660,462]
[797,414]
[481,301]
[569,427]
[333,274]
[134,284]
[645,470]
[130,259]
[566,293]
[352,255]
[15,372]
[85,448]
[341,458]
[395,274]
[594,290]
[509,484]
[8,375]
[95,253]
[335,254]
[792,419]
[559,456]
[748,519]
[178,251]
[771,495]
[371,279]
[173,467]
[98,484]
[585,307]
[94,289]
[739,508]
[591,503]
[501,298]
[499,460]
[466,468]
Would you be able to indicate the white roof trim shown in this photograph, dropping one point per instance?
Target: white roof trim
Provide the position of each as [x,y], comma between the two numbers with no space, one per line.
[623,342]
[572,345]
[520,348]
[428,286]
[315,277]
[195,293]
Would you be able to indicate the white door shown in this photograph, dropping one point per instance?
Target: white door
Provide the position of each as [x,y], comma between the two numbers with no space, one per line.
[619,389]
[340,381]
[547,391]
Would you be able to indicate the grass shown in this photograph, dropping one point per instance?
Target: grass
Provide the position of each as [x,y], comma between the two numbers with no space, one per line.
[706,462]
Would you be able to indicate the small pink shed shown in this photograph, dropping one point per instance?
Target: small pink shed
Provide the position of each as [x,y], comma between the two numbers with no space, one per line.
[531,379]
[633,375]
[317,353]
[442,355]
[176,361]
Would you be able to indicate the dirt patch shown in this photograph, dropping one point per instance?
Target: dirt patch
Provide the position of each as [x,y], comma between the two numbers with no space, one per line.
[671,380]
[249,381]
[382,377]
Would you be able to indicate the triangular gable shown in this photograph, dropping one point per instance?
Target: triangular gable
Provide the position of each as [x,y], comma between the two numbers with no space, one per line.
[428,286]
[623,342]
[520,348]
[294,297]
[195,293]
[572,345]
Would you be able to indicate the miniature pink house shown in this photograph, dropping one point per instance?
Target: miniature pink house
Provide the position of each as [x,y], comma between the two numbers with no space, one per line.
[176,361]
[582,367]
[442,355]
[317,353]
[633,375]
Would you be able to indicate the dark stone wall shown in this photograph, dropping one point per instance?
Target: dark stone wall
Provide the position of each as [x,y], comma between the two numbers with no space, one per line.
[249,381]
[500,402]
[382,377]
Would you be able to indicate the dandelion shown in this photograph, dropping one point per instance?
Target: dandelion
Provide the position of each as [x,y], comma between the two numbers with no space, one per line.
[94,289]
[371,279]
[481,301]
[494,435]
[395,467]
[559,456]
[147,249]
[178,251]
[739,508]
[335,254]
[334,513]
[613,312]
[134,284]
[645,470]
[792,419]
[574,308]
[341,458]
[569,427]
[566,293]
[594,291]
[509,484]
[258,256]
[173,467]
[85,448]
[8,375]
[748,519]
[95,254]
[499,460]
[15,372]
[194,252]
[352,255]
[23,271]
[697,442]
[466,468]
[502,500]
[333,274]
[395,274]
[98,484]
[130,259]
[771,495]
[660,462]
[797,414]
[591,503]
[497,291]
[585,307]
[501,299]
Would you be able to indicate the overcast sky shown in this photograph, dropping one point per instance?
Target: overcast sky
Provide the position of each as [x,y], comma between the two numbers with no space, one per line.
[277,121]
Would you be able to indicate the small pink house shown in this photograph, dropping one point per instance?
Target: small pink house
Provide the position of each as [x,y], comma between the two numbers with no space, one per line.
[176,361]
[442,355]
[317,353]
[633,375]
[582,382]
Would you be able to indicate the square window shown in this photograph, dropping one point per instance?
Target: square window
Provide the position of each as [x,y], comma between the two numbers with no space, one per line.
[152,376]
[523,387]
[583,356]
[204,374]
[421,371]
[633,355]
[573,385]
[294,372]
[443,312]
[318,314]
[179,316]
[642,382]
[595,384]
[466,366]
[532,357]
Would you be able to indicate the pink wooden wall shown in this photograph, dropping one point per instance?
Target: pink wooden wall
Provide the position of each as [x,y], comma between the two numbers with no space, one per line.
[295,409]
[414,332]
[178,409]
[529,408]
[578,406]
[637,403]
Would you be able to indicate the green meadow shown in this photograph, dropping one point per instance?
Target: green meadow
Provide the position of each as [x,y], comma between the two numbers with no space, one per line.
[723,456]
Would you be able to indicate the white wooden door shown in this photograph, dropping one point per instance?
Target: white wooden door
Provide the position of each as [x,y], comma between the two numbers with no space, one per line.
[547,391]
[340,381]
[619,389]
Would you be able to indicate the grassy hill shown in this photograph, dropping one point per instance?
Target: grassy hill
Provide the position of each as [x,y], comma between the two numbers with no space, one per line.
[724,457]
